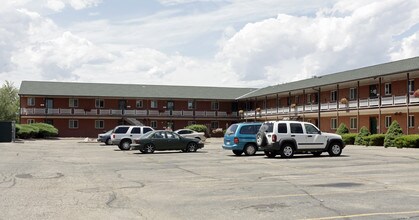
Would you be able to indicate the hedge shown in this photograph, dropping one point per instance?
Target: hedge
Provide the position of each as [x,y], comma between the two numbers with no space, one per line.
[36,130]
[375,140]
[407,141]
[198,128]
[26,131]
[349,139]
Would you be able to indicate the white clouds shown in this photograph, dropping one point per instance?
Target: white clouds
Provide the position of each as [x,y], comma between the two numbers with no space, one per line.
[246,43]
[294,47]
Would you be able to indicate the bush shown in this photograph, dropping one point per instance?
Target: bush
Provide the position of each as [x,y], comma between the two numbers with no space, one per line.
[375,140]
[198,128]
[407,141]
[342,129]
[393,132]
[45,130]
[36,130]
[26,131]
[360,138]
[349,139]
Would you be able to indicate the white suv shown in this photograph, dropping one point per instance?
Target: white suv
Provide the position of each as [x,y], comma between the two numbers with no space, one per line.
[124,135]
[289,137]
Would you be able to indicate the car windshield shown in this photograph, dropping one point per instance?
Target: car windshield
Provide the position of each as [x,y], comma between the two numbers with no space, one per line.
[267,127]
[232,129]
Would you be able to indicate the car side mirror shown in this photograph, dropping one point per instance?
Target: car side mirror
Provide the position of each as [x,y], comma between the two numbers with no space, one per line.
[320,132]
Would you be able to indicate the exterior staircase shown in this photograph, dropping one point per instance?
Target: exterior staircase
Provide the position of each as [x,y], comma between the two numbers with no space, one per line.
[133,121]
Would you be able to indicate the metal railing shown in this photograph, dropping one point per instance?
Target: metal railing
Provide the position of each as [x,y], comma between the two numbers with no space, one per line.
[333,106]
[119,112]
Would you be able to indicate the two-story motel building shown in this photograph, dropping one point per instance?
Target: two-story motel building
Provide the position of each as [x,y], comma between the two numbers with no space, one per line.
[372,96]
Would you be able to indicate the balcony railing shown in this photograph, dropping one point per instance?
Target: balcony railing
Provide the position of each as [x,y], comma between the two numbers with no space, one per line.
[119,112]
[333,106]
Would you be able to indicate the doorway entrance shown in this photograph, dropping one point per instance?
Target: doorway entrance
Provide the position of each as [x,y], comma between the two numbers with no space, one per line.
[373,125]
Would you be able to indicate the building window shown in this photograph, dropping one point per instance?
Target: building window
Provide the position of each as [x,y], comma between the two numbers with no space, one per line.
[100,103]
[191,122]
[73,124]
[353,123]
[411,121]
[191,104]
[352,93]
[387,89]
[411,86]
[153,104]
[99,124]
[31,101]
[387,121]
[333,96]
[139,103]
[333,123]
[30,121]
[214,105]
[153,124]
[214,125]
[73,103]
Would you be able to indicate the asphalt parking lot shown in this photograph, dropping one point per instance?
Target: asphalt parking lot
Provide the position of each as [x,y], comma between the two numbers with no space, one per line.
[70,179]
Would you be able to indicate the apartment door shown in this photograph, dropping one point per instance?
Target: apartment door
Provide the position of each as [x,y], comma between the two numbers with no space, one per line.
[373,125]
[49,103]
[122,104]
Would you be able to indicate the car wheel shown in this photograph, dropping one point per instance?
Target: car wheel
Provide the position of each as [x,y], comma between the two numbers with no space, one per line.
[317,154]
[108,141]
[270,154]
[125,145]
[237,152]
[250,150]
[335,149]
[287,151]
[261,139]
[143,151]
[192,147]
[149,148]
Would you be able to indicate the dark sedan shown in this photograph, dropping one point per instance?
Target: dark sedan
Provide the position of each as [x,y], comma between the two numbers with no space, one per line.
[166,140]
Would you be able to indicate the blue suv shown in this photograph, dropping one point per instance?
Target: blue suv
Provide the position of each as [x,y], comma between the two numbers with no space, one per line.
[241,137]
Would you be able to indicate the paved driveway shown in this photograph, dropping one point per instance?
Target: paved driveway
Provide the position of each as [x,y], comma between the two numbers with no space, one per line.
[69,179]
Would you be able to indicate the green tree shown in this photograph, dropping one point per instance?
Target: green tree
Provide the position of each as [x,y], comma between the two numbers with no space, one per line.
[362,135]
[9,102]
[393,132]
[342,129]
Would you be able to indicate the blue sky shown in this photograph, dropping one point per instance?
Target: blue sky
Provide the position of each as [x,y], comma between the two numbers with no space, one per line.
[240,43]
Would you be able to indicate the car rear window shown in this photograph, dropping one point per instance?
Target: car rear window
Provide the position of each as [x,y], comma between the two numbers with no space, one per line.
[296,128]
[121,130]
[232,129]
[136,130]
[282,128]
[145,130]
[267,127]
[249,129]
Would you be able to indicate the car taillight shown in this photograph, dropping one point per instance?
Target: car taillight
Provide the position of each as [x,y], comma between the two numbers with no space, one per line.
[236,140]
[274,138]
[113,136]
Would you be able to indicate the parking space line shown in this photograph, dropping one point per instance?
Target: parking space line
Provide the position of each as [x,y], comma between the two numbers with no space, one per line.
[365,215]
